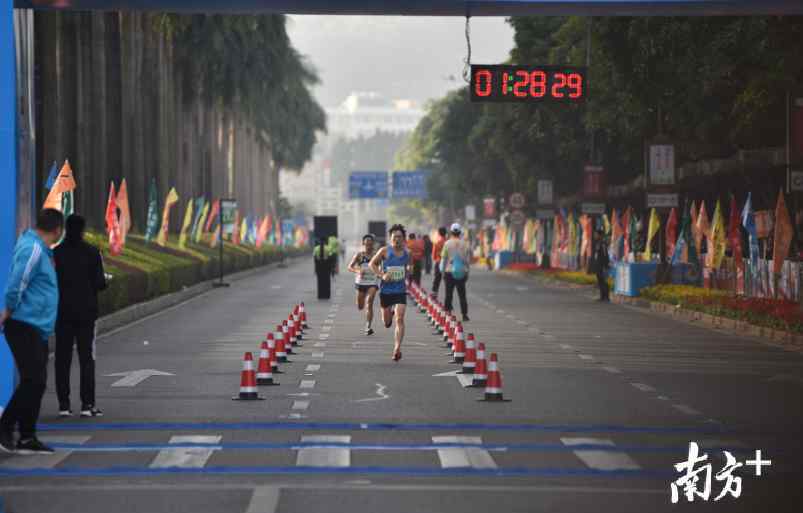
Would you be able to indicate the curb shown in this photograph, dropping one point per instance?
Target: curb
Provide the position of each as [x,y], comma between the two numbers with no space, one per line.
[770,336]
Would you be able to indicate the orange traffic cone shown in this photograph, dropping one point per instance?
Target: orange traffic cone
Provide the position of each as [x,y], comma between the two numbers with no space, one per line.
[281,347]
[286,337]
[291,328]
[459,353]
[248,382]
[274,365]
[481,369]
[297,320]
[264,371]
[303,313]
[470,362]
[493,388]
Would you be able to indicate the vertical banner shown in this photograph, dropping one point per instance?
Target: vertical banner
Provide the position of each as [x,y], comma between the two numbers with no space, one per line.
[172,199]
[489,208]
[228,208]
[545,193]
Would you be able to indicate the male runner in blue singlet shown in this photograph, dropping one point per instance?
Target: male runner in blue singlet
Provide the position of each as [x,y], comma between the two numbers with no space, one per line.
[392,264]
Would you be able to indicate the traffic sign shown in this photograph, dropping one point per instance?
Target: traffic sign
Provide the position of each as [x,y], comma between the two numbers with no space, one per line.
[517,217]
[410,184]
[517,200]
[368,184]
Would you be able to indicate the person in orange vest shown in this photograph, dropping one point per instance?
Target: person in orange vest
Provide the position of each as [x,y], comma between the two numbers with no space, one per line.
[416,248]
[437,249]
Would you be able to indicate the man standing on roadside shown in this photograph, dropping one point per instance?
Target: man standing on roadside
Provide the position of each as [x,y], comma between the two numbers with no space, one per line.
[456,259]
[437,249]
[79,268]
[32,300]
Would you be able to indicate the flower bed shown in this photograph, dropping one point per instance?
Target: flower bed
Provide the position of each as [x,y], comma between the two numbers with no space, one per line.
[575,277]
[770,313]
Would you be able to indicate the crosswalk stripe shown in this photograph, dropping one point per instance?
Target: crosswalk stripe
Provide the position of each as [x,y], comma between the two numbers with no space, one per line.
[44,460]
[462,457]
[601,460]
[324,456]
[186,457]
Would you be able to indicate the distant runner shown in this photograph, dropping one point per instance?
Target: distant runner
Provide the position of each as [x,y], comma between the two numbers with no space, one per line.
[391,264]
[366,281]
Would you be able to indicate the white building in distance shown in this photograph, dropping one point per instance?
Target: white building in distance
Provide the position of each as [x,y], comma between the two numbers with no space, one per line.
[364,113]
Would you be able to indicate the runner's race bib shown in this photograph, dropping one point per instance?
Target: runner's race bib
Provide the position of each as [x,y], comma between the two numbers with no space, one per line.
[367,276]
[396,273]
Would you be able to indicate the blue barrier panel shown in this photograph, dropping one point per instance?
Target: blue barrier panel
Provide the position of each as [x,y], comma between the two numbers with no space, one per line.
[8,178]
[502,259]
[632,277]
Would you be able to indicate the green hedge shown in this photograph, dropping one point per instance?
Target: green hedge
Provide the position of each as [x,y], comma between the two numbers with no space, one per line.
[146,270]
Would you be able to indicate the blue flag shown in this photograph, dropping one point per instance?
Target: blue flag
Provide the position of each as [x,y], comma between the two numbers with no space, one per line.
[51,178]
[749,224]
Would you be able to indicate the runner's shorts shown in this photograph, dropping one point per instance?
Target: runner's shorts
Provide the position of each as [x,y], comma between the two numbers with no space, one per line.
[388,300]
[364,288]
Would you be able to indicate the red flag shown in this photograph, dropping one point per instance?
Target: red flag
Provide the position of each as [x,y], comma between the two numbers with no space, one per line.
[213,214]
[235,236]
[735,235]
[783,235]
[262,232]
[671,233]
[113,223]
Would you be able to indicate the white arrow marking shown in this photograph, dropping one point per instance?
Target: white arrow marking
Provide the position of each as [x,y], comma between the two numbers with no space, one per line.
[380,391]
[134,378]
[466,380]
[186,457]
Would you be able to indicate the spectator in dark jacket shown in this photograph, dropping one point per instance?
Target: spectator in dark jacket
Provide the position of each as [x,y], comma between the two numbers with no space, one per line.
[79,268]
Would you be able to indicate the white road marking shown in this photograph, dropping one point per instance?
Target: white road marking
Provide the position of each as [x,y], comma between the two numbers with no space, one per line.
[612,370]
[463,457]
[293,416]
[328,321]
[643,387]
[585,356]
[300,405]
[317,355]
[44,460]
[135,377]
[326,328]
[319,344]
[324,456]
[307,383]
[274,287]
[521,322]
[332,316]
[663,398]
[186,457]
[688,410]
[264,500]
[601,460]
[323,336]
[565,346]
[509,316]
[465,380]
[380,392]
[500,311]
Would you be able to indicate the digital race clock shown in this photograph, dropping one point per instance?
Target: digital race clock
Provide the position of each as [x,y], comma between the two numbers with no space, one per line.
[502,83]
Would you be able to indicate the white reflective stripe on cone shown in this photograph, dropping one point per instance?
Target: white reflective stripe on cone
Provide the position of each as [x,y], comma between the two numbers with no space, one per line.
[247,390]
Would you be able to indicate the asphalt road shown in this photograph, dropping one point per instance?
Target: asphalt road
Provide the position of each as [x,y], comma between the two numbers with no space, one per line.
[604,400]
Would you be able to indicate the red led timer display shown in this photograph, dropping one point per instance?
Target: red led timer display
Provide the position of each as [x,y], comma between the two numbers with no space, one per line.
[500,83]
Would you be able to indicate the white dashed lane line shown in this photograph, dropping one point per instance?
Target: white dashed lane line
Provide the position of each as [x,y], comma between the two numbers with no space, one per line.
[643,387]
[688,410]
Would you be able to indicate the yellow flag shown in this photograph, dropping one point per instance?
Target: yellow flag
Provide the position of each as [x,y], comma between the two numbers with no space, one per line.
[172,198]
[201,222]
[718,239]
[182,238]
[652,228]
[243,231]
[125,210]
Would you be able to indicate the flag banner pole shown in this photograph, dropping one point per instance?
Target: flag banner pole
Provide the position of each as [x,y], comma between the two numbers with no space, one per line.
[220,283]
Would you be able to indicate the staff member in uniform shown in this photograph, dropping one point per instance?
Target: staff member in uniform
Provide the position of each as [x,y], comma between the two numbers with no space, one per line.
[80,273]
[366,281]
[32,302]
[323,269]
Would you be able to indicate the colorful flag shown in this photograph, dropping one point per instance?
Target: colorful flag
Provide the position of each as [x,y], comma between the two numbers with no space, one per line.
[64,183]
[703,230]
[152,226]
[67,203]
[735,235]
[653,228]
[686,244]
[718,241]
[213,242]
[749,223]
[671,232]
[185,226]
[626,232]
[198,210]
[113,223]
[244,230]
[125,211]
[263,232]
[213,215]
[783,235]
[235,234]
[199,231]
[170,200]
[633,232]
[51,176]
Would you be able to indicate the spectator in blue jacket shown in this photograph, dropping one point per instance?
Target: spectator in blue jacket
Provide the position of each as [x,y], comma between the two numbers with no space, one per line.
[32,301]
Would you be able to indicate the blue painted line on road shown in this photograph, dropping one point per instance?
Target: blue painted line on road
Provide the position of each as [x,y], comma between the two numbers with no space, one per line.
[354,426]
[526,447]
[409,471]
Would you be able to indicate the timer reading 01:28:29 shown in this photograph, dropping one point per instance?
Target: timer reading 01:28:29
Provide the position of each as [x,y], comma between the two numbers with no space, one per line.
[504,83]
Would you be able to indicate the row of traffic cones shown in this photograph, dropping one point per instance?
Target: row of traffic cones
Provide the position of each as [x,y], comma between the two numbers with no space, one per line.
[465,351]
[273,351]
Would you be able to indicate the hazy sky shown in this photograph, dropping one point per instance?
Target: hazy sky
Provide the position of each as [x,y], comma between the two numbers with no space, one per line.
[400,57]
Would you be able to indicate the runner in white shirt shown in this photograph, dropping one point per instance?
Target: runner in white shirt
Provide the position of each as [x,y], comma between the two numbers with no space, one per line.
[366,282]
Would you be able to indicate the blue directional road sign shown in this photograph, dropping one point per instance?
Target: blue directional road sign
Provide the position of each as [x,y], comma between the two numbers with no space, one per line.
[368,184]
[410,184]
